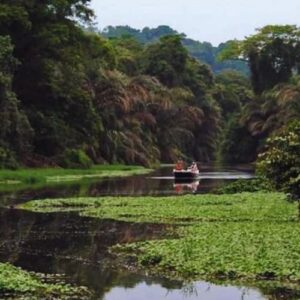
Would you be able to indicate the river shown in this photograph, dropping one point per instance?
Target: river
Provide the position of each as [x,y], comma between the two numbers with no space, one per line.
[74,249]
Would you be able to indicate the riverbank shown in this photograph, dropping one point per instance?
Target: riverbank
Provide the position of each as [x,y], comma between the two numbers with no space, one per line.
[15,281]
[249,236]
[51,175]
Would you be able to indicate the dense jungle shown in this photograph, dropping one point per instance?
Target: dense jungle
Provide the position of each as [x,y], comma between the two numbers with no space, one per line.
[91,123]
[71,95]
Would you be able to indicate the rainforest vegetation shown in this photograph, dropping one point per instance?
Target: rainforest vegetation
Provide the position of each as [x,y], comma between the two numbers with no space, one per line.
[203,51]
[84,103]
[20,284]
[44,175]
[71,95]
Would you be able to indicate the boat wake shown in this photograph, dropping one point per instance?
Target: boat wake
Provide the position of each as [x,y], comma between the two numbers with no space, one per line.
[212,175]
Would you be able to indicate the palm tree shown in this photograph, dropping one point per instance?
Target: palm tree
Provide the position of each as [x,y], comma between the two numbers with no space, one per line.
[273,109]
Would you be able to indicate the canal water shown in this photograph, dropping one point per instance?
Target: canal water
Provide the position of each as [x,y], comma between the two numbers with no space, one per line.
[74,248]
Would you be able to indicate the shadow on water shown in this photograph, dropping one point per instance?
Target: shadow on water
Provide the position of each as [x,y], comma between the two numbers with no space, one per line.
[76,247]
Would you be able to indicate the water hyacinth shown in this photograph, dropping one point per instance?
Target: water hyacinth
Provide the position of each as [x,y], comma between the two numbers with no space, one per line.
[16,281]
[246,235]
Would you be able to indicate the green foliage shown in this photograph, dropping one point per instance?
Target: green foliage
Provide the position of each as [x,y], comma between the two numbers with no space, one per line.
[146,122]
[166,60]
[280,163]
[238,145]
[140,97]
[128,52]
[178,210]
[260,117]
[76,159]
[19,282]
[202,51]
[247,235]
[44,175]
[7,159]
[245,185]
[232,77]
[273,110]
[272,54]
[15,130]
[116,100]
[145,36]
[226,251]
[51,78]
[232,92]
[232,50]
[273,57]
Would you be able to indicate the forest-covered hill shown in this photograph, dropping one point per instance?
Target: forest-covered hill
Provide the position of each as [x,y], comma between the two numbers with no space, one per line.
[203,51]
[72,97]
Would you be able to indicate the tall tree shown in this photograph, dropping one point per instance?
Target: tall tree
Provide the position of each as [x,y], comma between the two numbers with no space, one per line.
[273,54]
[50,80]
[15,130]
[167,60]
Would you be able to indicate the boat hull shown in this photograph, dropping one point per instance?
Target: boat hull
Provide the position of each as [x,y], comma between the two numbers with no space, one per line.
[185,175]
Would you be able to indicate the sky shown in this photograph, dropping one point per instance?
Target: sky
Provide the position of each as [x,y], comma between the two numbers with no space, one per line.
[213,21]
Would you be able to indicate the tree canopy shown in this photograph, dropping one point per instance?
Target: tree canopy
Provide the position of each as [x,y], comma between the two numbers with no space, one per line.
[273,57]
[203,51]
[272,54]
[280,162]
[113,100]
[72,96]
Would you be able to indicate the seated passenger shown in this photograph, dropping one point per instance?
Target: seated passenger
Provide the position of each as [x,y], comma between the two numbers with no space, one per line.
[179,165]
[193,167]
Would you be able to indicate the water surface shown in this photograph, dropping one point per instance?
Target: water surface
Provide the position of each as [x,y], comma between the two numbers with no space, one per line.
[158,183]
[76,248]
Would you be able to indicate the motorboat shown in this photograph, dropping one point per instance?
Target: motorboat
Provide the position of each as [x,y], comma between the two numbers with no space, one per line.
[191,172]
[185,174]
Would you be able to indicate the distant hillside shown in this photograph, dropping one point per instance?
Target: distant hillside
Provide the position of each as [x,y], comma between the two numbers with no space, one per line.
[203,51]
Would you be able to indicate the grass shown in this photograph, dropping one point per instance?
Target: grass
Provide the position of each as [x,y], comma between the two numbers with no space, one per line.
[16,281]
[242,236]
[257,184]
[53,175]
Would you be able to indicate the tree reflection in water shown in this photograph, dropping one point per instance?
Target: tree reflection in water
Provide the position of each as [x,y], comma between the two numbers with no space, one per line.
[76,247]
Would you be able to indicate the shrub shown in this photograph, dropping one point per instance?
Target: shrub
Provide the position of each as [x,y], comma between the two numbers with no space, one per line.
[245,185]
[7,159]
[76,159]
[280,163]
[238,145]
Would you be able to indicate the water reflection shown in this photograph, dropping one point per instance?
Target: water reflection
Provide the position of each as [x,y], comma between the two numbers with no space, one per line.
[77,247]
[146,290]
[160,182]
[183,186]
[199,290]
[63,243]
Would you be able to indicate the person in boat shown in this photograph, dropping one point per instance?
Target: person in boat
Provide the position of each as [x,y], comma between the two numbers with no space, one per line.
[179,165]
[193,167]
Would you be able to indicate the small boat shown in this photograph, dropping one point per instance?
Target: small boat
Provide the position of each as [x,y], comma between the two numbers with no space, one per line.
[182,174]
[185,174]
